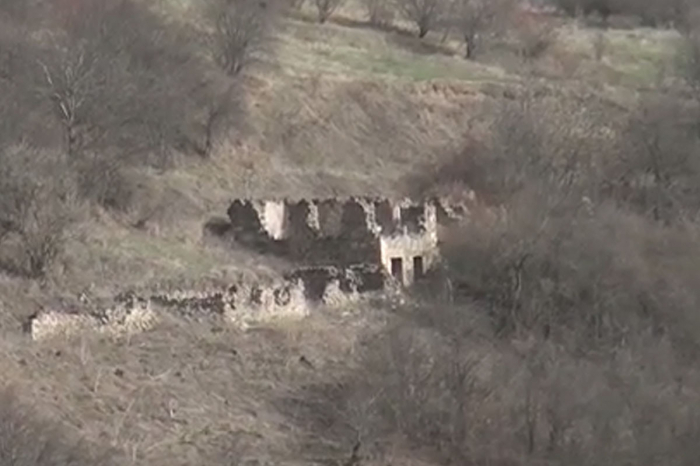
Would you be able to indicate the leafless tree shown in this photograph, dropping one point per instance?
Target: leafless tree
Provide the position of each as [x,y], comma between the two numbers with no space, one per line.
[126,91]
[533,36]
[658,170]
[475,19]
[240,30]
[72,83]
[379,12]
[423,13]
[325,8]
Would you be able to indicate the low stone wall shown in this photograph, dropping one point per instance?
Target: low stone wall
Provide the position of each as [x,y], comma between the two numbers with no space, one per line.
[243,304]
[117,321]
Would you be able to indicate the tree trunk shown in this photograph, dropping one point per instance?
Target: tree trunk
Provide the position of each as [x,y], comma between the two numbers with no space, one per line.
[470,47]
[445,34]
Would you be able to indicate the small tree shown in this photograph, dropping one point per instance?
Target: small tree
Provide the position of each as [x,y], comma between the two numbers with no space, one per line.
[72,84]
[424,13]
[326,8]
[379,12]
[240,30]
[533,36]
[474,19]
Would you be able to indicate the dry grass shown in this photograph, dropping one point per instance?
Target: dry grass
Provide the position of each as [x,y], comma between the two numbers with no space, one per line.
[183,393]
[342,109]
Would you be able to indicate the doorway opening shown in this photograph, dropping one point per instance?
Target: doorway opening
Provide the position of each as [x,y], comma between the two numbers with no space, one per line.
[418,271]
[397,269]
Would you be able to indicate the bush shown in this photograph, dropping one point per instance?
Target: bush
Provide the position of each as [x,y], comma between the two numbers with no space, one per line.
[37,207]
[579,246]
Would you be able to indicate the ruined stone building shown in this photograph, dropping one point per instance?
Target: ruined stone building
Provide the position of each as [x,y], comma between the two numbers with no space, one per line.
[400,236]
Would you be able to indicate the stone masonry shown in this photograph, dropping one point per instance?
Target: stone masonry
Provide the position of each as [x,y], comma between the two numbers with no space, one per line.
[399,235]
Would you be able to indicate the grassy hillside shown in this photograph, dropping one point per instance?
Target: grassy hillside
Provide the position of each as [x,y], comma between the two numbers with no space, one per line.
[333,109]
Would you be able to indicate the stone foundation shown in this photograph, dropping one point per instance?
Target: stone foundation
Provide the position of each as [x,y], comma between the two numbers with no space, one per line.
[243,304]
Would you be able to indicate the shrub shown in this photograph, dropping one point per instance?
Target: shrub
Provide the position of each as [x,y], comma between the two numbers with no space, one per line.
[37,207]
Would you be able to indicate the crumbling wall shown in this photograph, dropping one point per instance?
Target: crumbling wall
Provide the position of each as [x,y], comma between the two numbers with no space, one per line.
[412,217]
[245,303]
[274,219]
[370,277]
[342,233]
[315,280]
[246,224]
[120,320]
[285,300]
[245,218]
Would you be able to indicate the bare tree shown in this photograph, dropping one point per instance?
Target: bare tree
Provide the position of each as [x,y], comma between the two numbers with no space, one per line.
[126,91]
[240,30]
[659,168]
[533,35]
[379,12]
[423,13]
[475,19]
[72,82]
[325,8]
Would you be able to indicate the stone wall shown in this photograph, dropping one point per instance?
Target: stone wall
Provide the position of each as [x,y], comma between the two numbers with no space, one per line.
[241,304]
[332,231]
[411,251]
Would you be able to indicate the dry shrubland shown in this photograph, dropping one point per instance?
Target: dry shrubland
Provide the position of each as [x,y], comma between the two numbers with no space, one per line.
[91,91]
[28,440]
[569,335]
[573,336]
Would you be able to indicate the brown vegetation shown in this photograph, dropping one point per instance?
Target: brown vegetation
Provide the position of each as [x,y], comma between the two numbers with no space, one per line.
[650,12]
[569,332]
[573,336]
[27,440]
[325,8]
[241,28]
[475,20]
[425,14]
[380,13]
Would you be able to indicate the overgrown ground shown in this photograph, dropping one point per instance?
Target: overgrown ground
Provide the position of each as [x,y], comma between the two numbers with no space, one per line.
[340,109]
